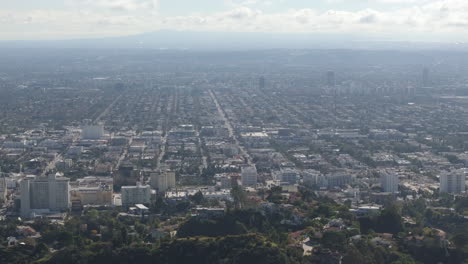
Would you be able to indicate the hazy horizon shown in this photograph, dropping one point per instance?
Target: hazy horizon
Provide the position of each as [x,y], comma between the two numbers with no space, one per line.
[206,40]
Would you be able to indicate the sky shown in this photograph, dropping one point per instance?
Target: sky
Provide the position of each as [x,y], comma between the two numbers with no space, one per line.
[395,20]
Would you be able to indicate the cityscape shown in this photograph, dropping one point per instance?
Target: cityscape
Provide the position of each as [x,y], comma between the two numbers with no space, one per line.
[179,150]
[285,149]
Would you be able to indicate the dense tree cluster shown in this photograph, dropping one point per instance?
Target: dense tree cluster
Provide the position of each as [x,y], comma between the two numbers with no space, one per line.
[270,233]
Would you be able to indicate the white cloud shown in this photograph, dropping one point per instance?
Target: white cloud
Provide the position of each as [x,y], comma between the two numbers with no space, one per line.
[435,19]
[116,5]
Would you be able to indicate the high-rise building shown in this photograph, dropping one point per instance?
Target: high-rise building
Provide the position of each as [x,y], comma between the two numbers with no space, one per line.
[44,194]
[92,132]
[139,194]
[163,180]
[3,188]
[389,181]
[261,82]
[453,181]
[249,175]
[425,77]
[331,79]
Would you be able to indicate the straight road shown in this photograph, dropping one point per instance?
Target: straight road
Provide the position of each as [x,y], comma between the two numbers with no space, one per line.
[229,127]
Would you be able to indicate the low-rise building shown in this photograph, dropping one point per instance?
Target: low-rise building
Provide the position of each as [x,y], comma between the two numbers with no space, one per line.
[92,191]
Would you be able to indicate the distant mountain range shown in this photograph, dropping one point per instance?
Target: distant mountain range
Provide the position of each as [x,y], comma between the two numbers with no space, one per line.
[177,40]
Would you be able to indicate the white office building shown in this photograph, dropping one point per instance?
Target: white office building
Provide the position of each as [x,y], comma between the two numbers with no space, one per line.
[453,181]
[44,194]
[249,176]
[389,181]
[92,132]
[139,194]
[163,181]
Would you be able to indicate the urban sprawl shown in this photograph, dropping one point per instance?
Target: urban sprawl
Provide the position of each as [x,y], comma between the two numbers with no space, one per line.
[314,152]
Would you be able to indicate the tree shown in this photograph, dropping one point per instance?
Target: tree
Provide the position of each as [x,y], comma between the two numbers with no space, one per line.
[274,194]
[307,194]
[460,240]
[239,196]
[389,221]
[334,240]
[453,159]
[197,198]
[353,255]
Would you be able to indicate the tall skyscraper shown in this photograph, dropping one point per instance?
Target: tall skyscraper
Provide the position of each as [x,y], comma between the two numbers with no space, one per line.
[249,176]
[331,79]
[425,77]
[261,82]
[44,194]
[389,181]
[453,181]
